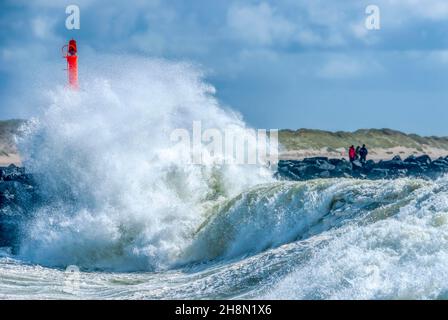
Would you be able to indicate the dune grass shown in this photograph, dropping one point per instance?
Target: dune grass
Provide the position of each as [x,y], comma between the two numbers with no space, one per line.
[300,139]
[374,138]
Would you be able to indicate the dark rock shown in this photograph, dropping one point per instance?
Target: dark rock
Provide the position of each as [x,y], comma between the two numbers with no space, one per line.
[411,159]
[424,159]
[378,173]
[392,165]
[369,165]
[312,170]
[401,173]
[18,197]
[344,166]
[315,159]
[326,166]
[298,170]
[441,161]
[325,174]
[439,165]
[357,165]
[286,172]
[11,172]
[335,162]
[322,167]
[284,163]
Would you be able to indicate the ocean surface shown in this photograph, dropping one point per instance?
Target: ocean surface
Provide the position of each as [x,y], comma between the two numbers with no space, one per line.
[124,215]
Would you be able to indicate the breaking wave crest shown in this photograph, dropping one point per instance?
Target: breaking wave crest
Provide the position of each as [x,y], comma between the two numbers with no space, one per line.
[118,193]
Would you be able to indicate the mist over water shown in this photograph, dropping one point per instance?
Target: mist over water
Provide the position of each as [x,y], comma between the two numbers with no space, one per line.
[125,204]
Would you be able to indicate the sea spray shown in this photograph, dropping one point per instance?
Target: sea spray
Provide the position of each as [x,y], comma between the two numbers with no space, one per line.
[118,194]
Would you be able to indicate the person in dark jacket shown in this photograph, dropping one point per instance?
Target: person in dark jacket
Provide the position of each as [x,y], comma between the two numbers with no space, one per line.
[357,152]
[363,153]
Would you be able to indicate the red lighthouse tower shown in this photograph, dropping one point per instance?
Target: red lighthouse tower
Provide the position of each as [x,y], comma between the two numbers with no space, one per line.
[72,63]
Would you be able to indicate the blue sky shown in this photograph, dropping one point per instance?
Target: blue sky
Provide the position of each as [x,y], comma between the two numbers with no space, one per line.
[281,64]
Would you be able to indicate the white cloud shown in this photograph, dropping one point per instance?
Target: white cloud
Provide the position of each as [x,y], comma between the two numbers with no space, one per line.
[439,56]
[42,27]
[428,9]
[340,69]
[61,4]
[429,58]
[259,24]
[346,67]
[308,38]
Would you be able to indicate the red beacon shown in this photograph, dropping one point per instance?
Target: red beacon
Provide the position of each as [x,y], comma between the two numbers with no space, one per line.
[69,53]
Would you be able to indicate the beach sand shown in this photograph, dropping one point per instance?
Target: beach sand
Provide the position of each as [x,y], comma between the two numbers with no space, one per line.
[11,158]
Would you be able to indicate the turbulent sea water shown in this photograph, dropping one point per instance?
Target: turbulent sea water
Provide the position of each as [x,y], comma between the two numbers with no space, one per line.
[121,203]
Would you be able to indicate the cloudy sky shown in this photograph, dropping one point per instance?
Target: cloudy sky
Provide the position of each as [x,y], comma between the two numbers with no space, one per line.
[281,64]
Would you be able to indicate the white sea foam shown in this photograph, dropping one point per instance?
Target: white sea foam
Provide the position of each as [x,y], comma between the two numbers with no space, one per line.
[118,193]
[404,256]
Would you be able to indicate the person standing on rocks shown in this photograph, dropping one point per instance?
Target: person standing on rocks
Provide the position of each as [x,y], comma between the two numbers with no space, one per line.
[357,152]
[363,153]
[352,153]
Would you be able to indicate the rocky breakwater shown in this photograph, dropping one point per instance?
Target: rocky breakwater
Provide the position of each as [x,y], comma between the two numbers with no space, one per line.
[17,196]
[322,167]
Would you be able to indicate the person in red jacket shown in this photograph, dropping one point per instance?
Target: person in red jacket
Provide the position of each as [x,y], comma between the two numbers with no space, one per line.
[352,153]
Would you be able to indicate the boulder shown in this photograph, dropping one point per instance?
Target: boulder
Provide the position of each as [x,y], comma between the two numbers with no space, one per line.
[392,165]
[344,165]
[369,165]
[312,171]
[357,165]
[326,166]
[325,174]
[18,197]
[378,173]
[285,163]
[424,159]
[336,162]
[411,159]
[298,170]
[286,172]
[441,161]
[439,165]
[315,159]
